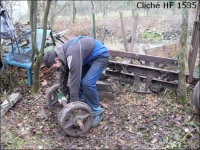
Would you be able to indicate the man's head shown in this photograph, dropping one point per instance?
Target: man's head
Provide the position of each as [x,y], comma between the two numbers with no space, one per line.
[50,59]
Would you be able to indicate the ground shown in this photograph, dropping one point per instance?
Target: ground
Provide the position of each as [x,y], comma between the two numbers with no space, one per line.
[132,121]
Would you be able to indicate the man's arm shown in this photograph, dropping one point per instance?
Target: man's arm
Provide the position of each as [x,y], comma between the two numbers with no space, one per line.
[75,67]
[64,73]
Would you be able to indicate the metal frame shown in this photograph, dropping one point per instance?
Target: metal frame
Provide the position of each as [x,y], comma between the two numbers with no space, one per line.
[146,68]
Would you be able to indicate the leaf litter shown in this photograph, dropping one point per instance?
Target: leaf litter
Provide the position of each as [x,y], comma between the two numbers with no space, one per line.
[131,121]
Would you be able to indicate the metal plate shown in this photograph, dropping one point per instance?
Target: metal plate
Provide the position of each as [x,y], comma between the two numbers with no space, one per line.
[104,87]
[69,114]
[52,99]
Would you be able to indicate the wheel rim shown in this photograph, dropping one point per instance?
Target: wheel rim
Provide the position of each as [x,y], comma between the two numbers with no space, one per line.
[52,99]
[196,97]
[70,113]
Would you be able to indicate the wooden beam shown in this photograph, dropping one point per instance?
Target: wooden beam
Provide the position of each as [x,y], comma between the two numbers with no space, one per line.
[193,53]
[5,106]
[133,33]
[123,32]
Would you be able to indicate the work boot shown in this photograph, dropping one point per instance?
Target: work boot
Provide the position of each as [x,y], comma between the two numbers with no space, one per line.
[97,119]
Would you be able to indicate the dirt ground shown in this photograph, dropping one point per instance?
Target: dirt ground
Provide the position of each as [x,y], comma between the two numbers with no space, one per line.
[132,121]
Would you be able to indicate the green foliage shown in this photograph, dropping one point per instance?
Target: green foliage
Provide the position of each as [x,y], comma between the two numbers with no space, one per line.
[153,36]
[11,141]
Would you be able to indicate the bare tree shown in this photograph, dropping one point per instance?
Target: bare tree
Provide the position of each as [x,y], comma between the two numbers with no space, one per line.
[55,9]
[35,52]
[82,9]
[132,4]
[74,12]
[40,12]
[9,6]
[104,6]
[181,92]
[93,19]
[29,6]
[133,8]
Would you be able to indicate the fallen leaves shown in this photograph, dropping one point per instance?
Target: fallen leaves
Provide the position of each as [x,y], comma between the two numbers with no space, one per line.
[131,121]
[153,141]
[44,83]
[42,112]
[104,105]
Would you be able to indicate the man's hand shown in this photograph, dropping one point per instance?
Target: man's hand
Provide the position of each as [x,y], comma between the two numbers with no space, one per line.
[61,97]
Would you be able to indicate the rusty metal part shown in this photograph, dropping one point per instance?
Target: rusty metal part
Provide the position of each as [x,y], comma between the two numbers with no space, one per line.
[155,81]
[64,102]
[163,71]
[75,118]
[196,97]
[145,72]
[52,99]
[102,86]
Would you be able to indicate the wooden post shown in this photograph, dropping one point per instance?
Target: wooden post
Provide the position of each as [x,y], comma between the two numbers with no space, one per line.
[193,56]
[134,32]
[198,12]
[93,20]
[123,32]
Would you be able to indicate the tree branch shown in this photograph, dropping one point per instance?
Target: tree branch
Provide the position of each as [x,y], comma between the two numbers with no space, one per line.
[62,7]
[45,26]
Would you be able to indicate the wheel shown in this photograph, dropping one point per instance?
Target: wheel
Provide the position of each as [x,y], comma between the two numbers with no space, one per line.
[52,99]
[196,97]
[71,114]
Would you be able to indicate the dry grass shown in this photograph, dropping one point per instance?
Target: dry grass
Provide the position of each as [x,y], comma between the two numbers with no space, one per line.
[161,23]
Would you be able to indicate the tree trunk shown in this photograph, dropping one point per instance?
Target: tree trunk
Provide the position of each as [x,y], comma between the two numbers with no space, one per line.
[29,6]
[181,92]
[37,62]
[33,23]
[55,9]
[52,15]
[11,14]
[147,12]
[133,8]
[104,8]
[74,12]
[36,73]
